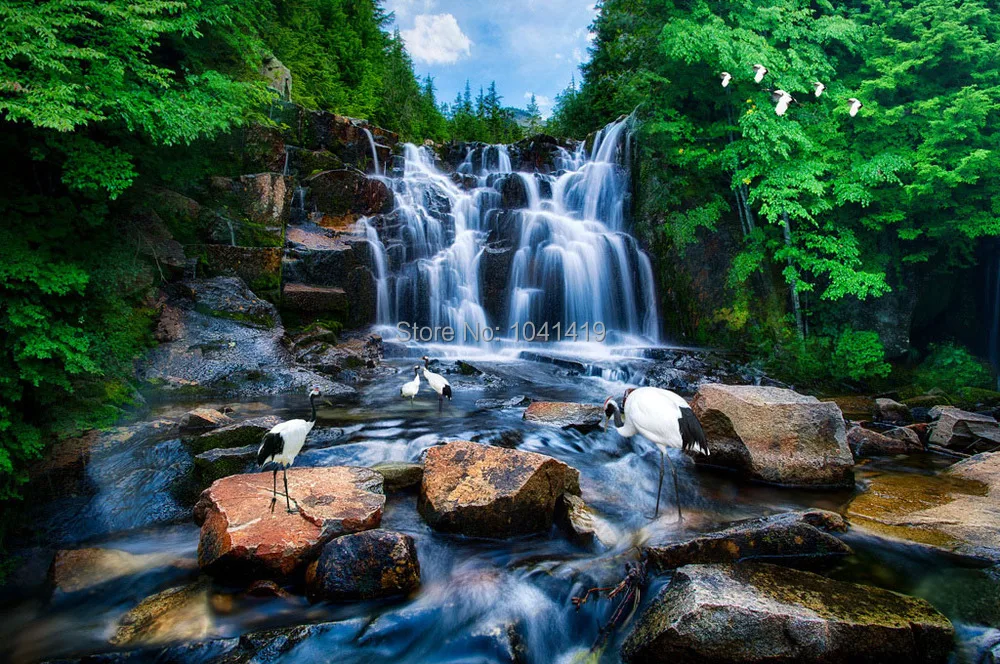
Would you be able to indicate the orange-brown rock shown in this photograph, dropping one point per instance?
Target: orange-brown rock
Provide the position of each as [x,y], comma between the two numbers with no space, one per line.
[584,417]
[775,435]
[201,420]
[488,491]
[240,534]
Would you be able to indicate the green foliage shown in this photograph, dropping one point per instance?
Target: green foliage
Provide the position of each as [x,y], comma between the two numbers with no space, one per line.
[859,355]
[952,368]
[485,120]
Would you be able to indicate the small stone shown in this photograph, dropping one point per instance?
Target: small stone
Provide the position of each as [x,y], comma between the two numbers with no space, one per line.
[892,412]
[177,614]
[583,417]
[367,565]
[400,476]
[201,420]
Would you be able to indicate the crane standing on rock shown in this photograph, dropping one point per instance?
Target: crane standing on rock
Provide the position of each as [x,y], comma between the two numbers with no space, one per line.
[662,417]
[282,444]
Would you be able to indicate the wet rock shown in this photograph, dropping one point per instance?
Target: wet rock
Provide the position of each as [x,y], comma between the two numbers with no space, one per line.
[519,401]
[953,512]
[892,412]
[362,292]
[240,434]
[229,297]
[795,536]
[958,428]
[399,476]
[266,199]
[494,272]
[583,417]
[351,354]
[314,300]
[367,565]
[176,614]
[775,435]
[202,420]
[509,438]
[513,192]
[348,194]
[491,491]
[583,525]
[345,137]
[258,267]
[754,612]
[79,569]
[867,443]
[240,535]
[215,464]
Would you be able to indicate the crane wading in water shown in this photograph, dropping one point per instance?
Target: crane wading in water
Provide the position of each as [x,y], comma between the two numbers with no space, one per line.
[662,417]
[410,388]
[282,444]
[437,382]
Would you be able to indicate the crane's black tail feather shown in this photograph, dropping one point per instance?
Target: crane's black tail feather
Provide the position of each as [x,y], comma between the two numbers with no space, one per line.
[446,392]
[270,444]
[692,435]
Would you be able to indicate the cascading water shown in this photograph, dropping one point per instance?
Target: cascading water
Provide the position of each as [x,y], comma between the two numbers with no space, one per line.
[371,142]
[520,248]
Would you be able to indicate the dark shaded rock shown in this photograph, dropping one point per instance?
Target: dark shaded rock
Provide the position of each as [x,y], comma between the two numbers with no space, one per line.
[794,535]
[348,194]
[367,565]
[176,614]
[494,275]
[201,420]
[362,291]
[491,491]
[775,435]
[229,297]
[508,438]
[892,412]
[513,192]
[266,199]
[215,464]
[240,536]
[315,300]
[240,434]
[754,612]
[583,417]
[958,428]
[399,476]
[867,443]
[259,267]
[519,401]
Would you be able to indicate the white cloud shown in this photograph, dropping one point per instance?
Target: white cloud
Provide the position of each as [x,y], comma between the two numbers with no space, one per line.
[436,39]
[578,55]
[543,101]
[404,9]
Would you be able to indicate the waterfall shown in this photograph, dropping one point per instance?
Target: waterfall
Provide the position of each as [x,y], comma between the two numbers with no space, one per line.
[557,255]
[380,263]
[371,142]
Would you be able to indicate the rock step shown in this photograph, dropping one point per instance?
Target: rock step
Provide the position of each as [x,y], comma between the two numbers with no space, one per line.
[306,298]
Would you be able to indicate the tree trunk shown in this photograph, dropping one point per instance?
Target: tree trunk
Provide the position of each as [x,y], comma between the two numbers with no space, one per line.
[796,307]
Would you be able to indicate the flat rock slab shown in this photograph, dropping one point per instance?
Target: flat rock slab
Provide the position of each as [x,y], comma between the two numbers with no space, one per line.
[200,420]
[867,443]
[240,535]
[957,511]
[793,535]
[487,491]
[400,476]
[314,299]
[584,417]
[754,612]
[775,435]
[222,462]
[954,427]
[367,565]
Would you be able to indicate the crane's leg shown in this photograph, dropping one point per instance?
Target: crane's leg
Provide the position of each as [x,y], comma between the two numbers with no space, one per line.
[274,491]
[440,403]
[677,491]
[288,504]
[659,487]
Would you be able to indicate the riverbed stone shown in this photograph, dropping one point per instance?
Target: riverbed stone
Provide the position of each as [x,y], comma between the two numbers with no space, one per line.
[487,491]
[240,535]
[583,525]
[175,614]
[954,511]
[867,443]
[399,475]
[892,412]
[202,420]
[583,417]
[775,435]
[366,565]
[793,536]
[214,464]
[756,612]
[957,428]
[81,569]
[238,434]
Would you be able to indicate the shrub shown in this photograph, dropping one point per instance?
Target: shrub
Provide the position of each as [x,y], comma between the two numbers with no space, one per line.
[858,355]
[951,367]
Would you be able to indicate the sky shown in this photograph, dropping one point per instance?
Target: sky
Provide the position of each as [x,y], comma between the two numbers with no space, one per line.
[526,46]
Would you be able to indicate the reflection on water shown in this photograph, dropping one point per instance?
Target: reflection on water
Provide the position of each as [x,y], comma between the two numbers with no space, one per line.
[481,600]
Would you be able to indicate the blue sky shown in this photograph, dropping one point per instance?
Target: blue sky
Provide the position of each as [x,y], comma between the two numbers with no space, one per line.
[526,46]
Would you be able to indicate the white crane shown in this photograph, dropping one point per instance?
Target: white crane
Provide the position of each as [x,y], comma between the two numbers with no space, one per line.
[856,106]
[759,71]
[410,388]
[437,382]
[282,444]
[782,99]
[726,77]
[664,419]
[819,88]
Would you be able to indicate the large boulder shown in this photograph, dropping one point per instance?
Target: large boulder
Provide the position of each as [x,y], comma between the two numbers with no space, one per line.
[954,427]
[583,417]
[955,511]
[795,536]
[367,565]
[755,612]
[175,614]
[240,535]
[229,297]
[892,412]
[775,435]
[867,443]
[489,491]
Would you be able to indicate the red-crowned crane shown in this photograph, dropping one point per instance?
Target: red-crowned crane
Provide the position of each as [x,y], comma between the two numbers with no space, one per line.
[726,77]
[410,388]
[782,99]
[856,106]
[819,88]
[437,382]
[664,419]
[759,72]
[282,444]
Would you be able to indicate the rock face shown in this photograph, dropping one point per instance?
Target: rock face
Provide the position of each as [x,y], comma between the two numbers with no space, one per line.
[259,267]
[955,511]
[491,491]
[754,612]
[375,563]
[955,427]
[277,76]
[239,434]
[775,435]
[892,412]
[793,535]
[349,193]
[583,417]
[866,443]
[240,535]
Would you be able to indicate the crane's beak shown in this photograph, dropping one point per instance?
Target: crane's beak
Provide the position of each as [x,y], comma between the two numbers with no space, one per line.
[604,422]
[328,403]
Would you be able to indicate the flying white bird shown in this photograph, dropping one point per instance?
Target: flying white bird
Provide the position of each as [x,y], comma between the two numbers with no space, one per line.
[282,444]
[819,88]
[410,388]
[856,106]
[437,382]
[760,71]
[726,77]
[782,99]
[663,418]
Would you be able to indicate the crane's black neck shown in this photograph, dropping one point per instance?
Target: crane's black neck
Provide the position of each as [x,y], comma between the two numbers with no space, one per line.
[427,363]
[619,421]
[312,402]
